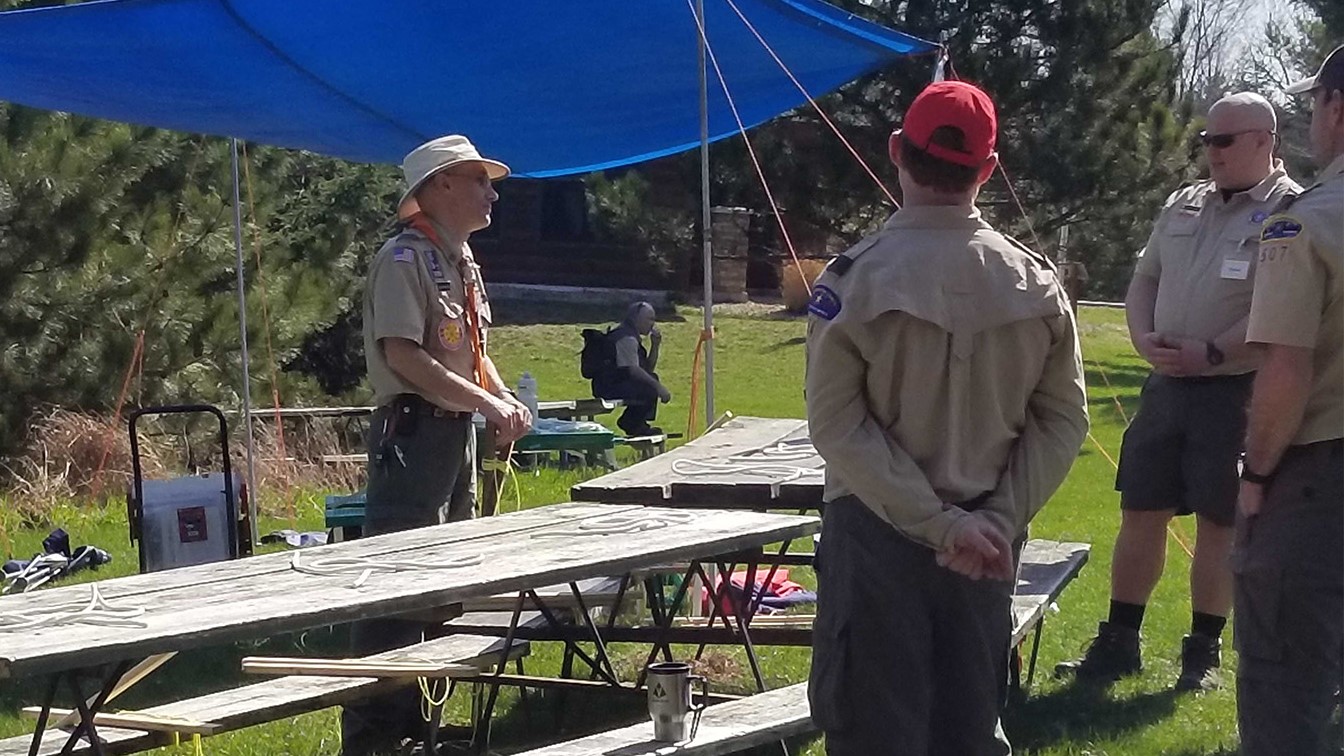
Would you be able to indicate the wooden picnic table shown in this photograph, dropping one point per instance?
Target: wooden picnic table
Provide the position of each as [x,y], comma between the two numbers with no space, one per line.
[264,595]
[752,463]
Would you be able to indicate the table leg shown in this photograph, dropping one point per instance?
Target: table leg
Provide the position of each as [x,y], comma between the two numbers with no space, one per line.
[664,622]
[36,746]
[481,738]
[87,711]
[745,630]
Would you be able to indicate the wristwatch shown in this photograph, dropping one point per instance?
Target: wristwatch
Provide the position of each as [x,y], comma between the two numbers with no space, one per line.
[1213,354]
[1256,478]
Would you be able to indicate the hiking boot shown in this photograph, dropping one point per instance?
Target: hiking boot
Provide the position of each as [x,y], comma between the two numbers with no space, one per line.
[1200,659]
[1113,654]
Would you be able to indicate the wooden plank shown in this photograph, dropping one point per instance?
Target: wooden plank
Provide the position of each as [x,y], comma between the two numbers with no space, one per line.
[724,728]
[408,669]
[274,602]
[133,720]
[276,699]
[653,480]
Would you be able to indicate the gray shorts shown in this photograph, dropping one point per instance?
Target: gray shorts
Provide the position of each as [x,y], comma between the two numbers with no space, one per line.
[1181,450]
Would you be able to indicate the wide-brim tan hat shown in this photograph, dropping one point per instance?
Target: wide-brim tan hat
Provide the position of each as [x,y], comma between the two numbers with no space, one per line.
[440,154]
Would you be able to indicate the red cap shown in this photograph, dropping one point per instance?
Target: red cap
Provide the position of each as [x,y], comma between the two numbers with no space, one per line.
[959,105]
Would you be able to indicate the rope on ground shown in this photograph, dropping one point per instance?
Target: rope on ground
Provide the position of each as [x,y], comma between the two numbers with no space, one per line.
[365,568]
[95,611]
[641,521]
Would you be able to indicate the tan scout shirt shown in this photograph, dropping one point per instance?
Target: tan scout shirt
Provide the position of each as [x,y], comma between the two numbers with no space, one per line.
[1299,296]
[1202,252]
[942,365]
[418,292]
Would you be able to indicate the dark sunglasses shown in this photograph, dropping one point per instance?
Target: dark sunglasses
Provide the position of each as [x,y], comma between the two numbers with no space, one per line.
[1223,141]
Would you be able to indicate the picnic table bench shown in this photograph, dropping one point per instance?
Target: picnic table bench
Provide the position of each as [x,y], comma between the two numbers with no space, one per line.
[723,728]
[258,703]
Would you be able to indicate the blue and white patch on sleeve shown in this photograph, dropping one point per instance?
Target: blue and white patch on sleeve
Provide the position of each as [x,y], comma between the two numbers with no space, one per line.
[1259,216]
[825,303]
[1280,228]
[403,254]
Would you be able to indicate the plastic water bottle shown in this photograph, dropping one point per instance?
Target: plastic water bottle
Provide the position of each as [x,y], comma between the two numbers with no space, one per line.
[527,393]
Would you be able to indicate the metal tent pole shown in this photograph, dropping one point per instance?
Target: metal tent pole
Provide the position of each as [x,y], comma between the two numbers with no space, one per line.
[242,332]
[706,218]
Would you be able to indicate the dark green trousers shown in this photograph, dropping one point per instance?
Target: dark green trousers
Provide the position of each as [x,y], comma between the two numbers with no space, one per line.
[432,481]
[908,658]
[1289,615]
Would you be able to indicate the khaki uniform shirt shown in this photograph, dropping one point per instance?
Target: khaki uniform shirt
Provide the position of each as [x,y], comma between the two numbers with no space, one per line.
[418,292]
[1299,296]
[1203,254]
[943,364]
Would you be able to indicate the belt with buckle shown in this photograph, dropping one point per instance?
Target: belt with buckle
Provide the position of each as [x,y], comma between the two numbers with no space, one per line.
[418,405]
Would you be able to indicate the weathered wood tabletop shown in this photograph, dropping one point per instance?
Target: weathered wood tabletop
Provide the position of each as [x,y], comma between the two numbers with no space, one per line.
[264,595]
[751,463]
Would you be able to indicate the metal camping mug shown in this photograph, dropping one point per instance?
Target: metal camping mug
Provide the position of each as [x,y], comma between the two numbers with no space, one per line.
[670,706]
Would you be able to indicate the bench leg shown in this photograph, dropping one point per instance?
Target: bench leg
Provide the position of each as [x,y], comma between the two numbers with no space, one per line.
[1035,649]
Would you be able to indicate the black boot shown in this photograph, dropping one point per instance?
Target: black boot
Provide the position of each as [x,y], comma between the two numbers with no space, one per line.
[1113,654]
[1201,656]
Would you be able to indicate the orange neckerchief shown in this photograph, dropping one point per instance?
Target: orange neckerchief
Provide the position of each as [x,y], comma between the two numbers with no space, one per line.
[420,222]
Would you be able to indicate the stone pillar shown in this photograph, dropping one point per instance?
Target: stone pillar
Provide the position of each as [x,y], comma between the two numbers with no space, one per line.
[729,236]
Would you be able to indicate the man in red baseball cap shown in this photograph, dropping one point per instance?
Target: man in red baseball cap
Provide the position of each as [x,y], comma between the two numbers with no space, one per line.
[945,392]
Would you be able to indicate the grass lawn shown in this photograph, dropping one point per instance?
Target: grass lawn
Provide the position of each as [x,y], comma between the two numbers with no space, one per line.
[759,363]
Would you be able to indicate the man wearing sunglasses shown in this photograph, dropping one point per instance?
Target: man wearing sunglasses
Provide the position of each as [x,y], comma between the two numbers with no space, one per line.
[1289,558]
[1186,309]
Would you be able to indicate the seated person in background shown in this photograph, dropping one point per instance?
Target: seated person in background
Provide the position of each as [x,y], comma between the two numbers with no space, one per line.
[628,373]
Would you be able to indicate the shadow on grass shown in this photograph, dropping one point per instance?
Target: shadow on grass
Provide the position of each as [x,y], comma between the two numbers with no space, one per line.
[1084,712]
[787,343]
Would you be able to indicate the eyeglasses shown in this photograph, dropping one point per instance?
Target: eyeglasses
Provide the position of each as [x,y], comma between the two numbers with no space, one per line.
[1223,141]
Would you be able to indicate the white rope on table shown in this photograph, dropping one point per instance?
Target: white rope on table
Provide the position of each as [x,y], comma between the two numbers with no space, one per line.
[640,521]
[365,568]
[95,611]
[769,462]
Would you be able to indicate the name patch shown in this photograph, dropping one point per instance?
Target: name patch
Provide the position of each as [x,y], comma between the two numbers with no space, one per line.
[1236,270]
[825,303]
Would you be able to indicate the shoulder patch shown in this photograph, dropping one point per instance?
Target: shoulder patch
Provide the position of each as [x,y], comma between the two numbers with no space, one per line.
[825,303]
[1280,228]
[403,254]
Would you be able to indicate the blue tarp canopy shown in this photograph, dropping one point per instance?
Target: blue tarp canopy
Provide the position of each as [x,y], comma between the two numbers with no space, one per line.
[550,87]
